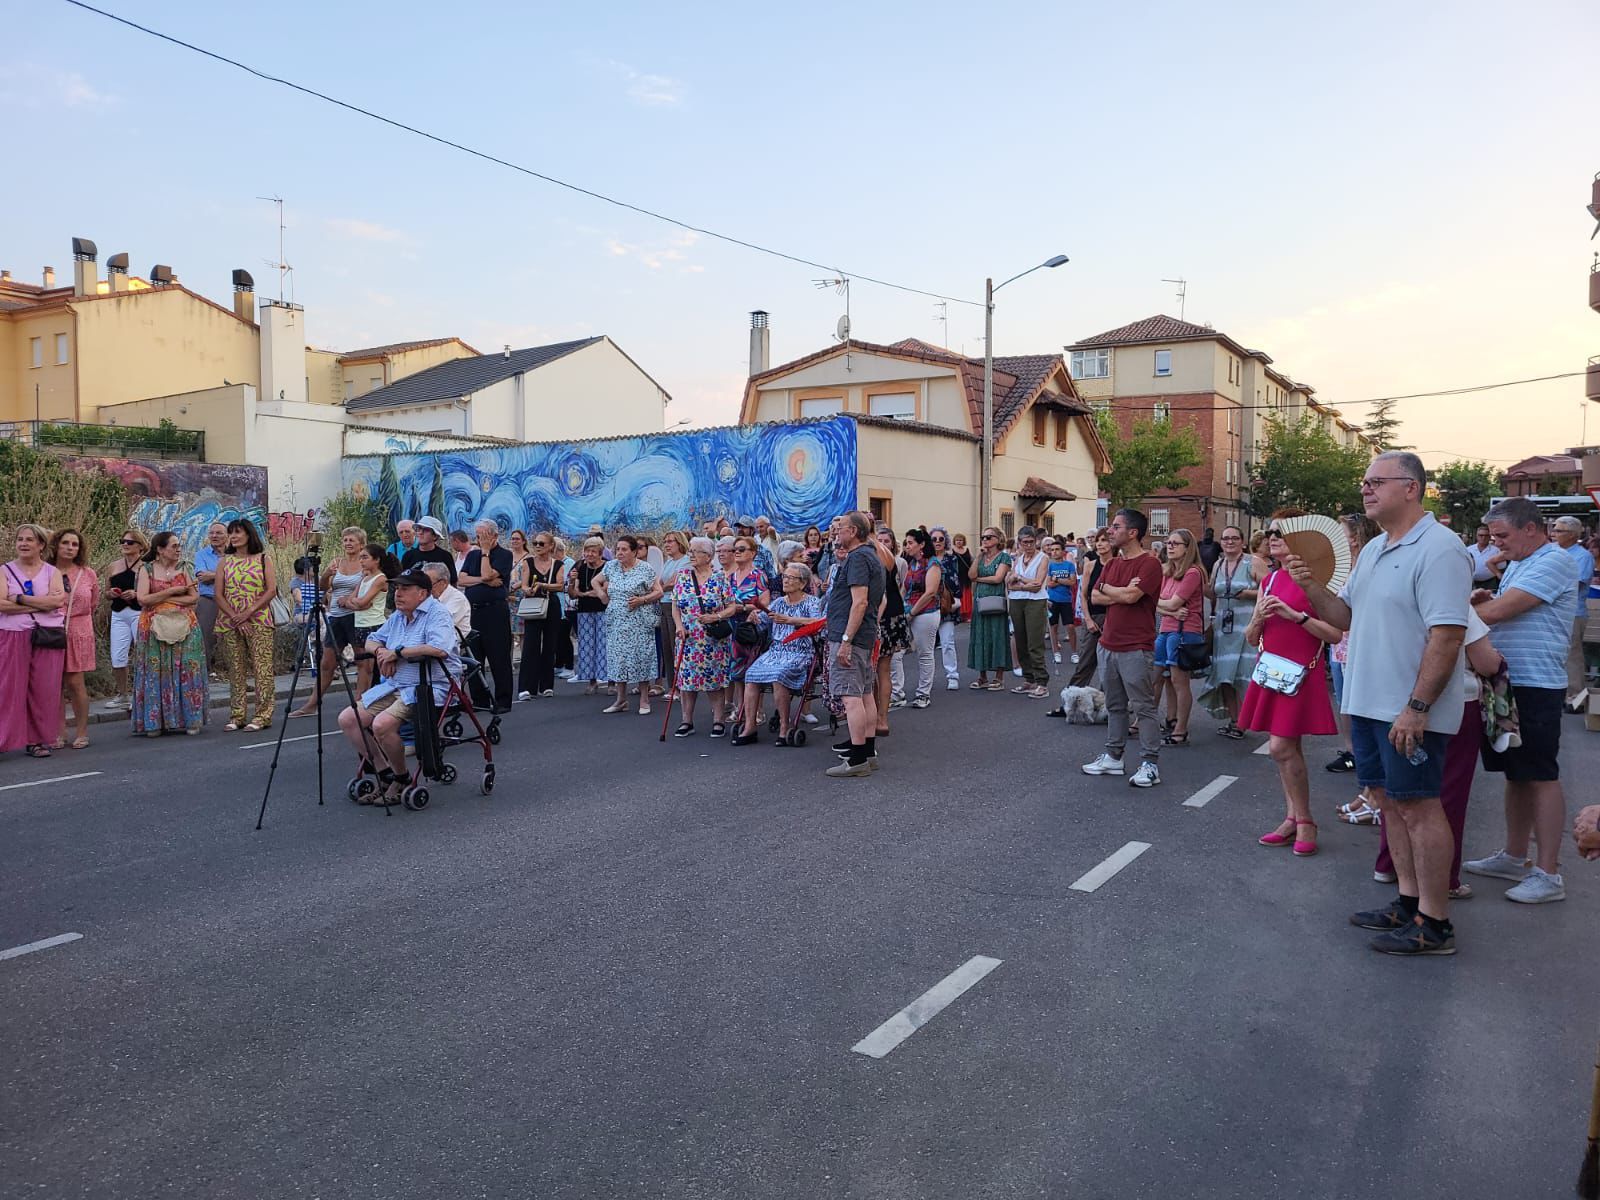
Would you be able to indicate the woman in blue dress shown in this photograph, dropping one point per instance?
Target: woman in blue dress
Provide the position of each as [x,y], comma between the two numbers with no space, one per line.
[786,664]
[629,588]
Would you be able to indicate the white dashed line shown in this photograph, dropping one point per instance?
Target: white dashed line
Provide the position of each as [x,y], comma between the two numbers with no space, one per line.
[1099,875]
[925,1007]
[1211,791]
[1264,748]
[61,939]
[303,737]
[57,779]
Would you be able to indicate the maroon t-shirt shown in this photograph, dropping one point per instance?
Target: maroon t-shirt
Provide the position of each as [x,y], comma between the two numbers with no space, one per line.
[1131,626]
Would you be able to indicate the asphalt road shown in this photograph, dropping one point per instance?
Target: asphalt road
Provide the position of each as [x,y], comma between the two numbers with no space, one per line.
[640,969]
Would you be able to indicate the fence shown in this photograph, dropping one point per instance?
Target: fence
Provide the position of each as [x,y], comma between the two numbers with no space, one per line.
[164,441]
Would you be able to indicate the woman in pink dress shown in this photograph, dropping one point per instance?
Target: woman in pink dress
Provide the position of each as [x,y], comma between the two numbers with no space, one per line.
[30,674]
[1283,624]
[69,554]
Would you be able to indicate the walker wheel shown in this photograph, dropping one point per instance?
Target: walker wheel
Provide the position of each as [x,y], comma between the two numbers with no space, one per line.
[452,728]
[447,773]
[361,788]
[486,784]
[493,733]
[415,798]
[772,723]
[797,738]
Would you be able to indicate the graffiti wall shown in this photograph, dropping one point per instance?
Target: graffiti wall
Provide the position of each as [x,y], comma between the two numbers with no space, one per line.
[797,474]
[185,497]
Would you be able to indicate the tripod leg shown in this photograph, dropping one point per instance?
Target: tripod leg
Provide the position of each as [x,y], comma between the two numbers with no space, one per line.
[374,750]
[283,725]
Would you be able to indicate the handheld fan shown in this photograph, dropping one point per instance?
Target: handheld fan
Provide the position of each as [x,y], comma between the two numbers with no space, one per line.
[1321,544]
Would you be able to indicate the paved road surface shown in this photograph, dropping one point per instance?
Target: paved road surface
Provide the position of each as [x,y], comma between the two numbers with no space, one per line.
[640,970]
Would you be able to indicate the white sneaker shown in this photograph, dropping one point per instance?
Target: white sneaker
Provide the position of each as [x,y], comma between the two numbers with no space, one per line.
[1538,888]
[1074,660]
[1500,865]
[952,685]
[1017,671]
[1146,776]
[524,695]
[810,718]
[920,702]
[897,702]
[1104,765]
[1057,657]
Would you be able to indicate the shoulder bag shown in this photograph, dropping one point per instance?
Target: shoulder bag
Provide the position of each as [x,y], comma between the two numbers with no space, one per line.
[717,631]
[533,608]
[1277,673]
[167,625]
[42,637]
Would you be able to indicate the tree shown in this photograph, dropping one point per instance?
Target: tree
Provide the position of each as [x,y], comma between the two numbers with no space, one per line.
[1302,466]
[1383,427]
[388,495]
[436,496]
[1465,489]
[1152,456]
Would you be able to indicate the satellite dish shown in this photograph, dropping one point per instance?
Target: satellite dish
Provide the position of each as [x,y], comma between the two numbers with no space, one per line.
[842,329]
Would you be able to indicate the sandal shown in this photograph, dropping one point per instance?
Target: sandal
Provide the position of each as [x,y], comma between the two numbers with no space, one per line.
[616,707]
[1058,711]
[683,730]
[80,743]
[1233,732]
[1303,849]
[644,710]
[38,751]
[233,726]
[1176,739]
[718,729]
[254,727]
[979,685]
[1358,814]
[996,686]
[59,744]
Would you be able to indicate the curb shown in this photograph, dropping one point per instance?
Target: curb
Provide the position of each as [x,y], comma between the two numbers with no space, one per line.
[100,715]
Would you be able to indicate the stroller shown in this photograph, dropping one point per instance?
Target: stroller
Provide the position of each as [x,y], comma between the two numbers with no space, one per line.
[432,729]
[804,697]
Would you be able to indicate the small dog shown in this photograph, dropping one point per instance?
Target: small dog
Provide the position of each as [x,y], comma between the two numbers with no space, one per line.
[1084,705]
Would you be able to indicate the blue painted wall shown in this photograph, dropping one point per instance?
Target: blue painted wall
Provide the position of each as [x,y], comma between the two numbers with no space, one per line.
[797,474]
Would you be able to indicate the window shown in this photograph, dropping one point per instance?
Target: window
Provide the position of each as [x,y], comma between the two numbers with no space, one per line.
[349,389]
[1100,406]
[902,406]
[821,406]
[1047,522]
[1230,420]
[1163,362]
[61,349]
[1230,368]
[1091,364]
[1061,431]
[1230,474]
[1161,413]
[1041,423]
[1008,523]
[37,346]
[374,383]
[881,506]
[1160,522]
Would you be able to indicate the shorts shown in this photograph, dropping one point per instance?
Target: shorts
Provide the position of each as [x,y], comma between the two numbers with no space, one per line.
[1379,764]
[124,625]
[393,705]
[1167,646]
[1063,612]
[342,633]
[1539,723]
[860,678]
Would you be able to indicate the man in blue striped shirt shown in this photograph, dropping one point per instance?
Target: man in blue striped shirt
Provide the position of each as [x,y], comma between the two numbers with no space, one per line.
[1530,622]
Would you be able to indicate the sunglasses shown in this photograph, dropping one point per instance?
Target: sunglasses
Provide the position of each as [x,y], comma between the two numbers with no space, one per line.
[1274,533]
[129,542]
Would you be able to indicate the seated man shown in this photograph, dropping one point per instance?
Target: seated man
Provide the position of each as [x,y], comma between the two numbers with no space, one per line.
[453,598]
[420,628]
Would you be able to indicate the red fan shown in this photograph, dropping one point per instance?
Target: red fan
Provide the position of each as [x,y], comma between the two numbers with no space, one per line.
[809,629]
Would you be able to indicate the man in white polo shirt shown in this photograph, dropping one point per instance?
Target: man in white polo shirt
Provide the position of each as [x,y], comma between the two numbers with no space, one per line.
[1405,606]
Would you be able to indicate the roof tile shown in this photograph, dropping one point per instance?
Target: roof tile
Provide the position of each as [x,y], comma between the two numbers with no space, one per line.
[461,377]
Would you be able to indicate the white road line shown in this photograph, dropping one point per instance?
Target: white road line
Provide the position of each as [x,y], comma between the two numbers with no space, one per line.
[1264,748]
[303,737]
[1099,875]
[925,1007]
[1211,791]
[61,939]
[57,779]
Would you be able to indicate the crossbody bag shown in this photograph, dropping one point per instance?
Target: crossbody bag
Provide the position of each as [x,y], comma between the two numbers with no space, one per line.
[717,631]
[44,637]
[1277,673]
[535,608]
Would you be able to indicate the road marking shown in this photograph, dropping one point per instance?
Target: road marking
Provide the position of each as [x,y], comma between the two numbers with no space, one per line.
[303,737]
[1211,791]
[1264,748]
[61,939]
[925,1007]
[57,779]
[1099,875]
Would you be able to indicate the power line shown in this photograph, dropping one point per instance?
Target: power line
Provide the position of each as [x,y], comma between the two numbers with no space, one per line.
[503,162]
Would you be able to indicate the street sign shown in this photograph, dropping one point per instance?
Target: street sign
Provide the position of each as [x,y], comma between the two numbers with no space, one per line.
[1594,494]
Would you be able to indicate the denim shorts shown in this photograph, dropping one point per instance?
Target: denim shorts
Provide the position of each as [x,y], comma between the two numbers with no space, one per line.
[1167,646]
[1379,764]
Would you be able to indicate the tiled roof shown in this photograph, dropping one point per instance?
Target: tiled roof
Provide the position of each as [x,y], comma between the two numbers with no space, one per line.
[1546,464]
[461,377]
[397,348]
[1161,328]
[1042,489]
[911,426]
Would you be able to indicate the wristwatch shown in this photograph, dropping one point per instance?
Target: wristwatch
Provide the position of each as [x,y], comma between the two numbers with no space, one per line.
[1416,705]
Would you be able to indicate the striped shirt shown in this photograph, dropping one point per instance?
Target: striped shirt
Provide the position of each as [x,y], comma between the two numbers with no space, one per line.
[1534,643]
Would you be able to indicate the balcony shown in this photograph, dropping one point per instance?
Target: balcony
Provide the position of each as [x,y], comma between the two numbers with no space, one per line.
[1594,285]
[163,441]
[1591,383]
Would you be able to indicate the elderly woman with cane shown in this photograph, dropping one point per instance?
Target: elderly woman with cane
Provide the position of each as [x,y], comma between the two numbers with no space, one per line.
[702,603]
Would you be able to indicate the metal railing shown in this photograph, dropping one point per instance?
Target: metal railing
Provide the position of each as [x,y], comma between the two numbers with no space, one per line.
[164,441]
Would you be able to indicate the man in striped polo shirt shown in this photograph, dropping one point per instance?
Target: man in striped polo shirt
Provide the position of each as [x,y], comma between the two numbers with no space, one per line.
[1530,622]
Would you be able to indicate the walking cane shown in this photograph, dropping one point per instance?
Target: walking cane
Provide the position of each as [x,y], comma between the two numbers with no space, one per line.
[1589,1173]
[672,690]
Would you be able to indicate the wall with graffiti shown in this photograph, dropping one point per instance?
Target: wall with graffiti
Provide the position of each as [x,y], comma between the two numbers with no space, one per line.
[185,497]
[797,474]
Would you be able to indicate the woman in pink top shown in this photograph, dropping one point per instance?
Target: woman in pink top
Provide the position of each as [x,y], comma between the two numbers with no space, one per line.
[69,554]
[1182,609]
[30,675]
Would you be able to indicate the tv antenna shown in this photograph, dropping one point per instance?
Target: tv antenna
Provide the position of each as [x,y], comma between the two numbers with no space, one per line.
[841,332]
[1183,291]
[282,265]
[943,317]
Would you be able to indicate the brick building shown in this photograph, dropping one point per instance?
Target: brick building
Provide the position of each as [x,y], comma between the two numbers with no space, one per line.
[1165,369]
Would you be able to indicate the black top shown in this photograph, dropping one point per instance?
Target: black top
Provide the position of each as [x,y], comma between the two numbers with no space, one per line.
[894,604]
[127,581]
[586,574]
[1210,551]
[1097,611]
[438,554]
[499,560]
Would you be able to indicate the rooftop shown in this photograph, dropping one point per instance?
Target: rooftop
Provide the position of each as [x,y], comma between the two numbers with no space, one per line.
[462,376]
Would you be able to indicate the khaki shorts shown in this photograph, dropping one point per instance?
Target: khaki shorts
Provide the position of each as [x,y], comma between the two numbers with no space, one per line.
[391,704]
[857,679]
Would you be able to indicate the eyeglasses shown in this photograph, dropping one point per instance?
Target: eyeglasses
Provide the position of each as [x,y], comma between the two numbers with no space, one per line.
[1371,482]
[1175,542]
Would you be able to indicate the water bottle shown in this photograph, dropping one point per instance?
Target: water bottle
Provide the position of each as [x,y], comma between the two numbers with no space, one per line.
[1418,756]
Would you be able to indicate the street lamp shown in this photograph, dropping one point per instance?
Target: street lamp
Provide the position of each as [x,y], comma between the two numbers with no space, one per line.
[986,467]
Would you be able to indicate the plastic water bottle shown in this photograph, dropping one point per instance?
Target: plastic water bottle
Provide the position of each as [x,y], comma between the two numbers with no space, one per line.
[1418,756]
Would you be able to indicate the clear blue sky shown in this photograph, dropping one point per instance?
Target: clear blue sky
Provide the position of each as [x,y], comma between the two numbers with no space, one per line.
[1385,198]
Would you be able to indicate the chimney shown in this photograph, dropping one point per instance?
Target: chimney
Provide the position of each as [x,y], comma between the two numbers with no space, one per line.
[508,349]
[117,273]
[283,352]
[244,296]
[5,276]
[49,277]
[161,275]
[760,343]
[85,280]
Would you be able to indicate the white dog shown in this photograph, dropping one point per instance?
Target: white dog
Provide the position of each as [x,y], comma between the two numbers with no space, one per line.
[1084,705]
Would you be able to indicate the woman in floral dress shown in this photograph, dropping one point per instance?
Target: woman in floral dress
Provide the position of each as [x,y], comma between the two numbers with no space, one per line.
[170,689]
[750,590]
[702,595]
[629,588]
[787,663]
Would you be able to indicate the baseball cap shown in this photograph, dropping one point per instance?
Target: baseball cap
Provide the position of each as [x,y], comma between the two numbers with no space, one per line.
[413,578]
[746,522]
[432,523]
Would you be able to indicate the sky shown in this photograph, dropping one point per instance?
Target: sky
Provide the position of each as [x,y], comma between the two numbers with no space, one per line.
[1384,198]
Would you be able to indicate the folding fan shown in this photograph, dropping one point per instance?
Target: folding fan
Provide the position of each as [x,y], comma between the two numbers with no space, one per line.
[1322,545]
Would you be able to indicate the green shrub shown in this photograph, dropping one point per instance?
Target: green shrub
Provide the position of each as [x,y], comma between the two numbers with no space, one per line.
[345,509]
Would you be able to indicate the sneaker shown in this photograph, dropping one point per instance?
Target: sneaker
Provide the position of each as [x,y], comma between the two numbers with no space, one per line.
[1416,938]
[1057,657]
[1074,660]
[1500,865]
[952,685]
[1391,916]
[1384,877]
[920,702]
[896,702]
[1341,763]
[1148,775]
[847,770]
[524,695]
[1017,671]
[1538,887]
[1104,765]
[548,692]
[810,718]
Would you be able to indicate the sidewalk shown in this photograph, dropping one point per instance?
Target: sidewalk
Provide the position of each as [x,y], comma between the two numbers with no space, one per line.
[99,714]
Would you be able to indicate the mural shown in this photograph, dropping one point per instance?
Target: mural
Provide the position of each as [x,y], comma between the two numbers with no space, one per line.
[796,474]
[185,497]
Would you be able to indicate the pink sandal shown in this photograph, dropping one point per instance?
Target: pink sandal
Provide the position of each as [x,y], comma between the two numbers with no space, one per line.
[1277,838]
[1304,849]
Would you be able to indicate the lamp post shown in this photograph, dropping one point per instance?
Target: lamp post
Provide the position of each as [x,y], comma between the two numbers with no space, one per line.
[986,466]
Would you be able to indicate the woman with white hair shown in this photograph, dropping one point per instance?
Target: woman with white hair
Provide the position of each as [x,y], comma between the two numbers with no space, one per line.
[786,663]
[702,602]
[485,577]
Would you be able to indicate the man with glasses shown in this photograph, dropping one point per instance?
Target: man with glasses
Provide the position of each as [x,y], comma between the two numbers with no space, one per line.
[1128,586]
[1405,605]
